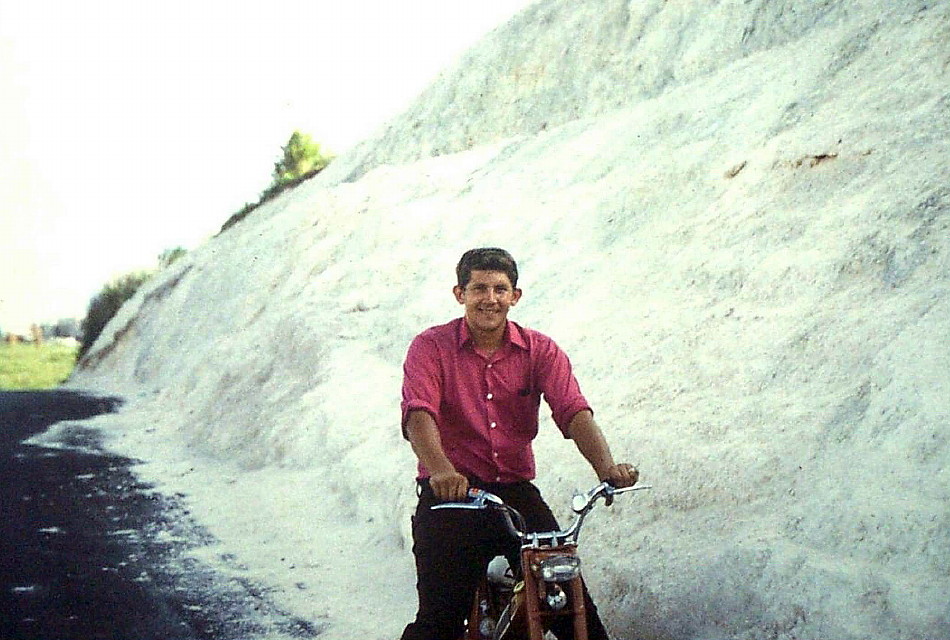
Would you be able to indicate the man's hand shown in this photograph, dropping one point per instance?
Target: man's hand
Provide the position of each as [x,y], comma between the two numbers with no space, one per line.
[449,486]
[622,475]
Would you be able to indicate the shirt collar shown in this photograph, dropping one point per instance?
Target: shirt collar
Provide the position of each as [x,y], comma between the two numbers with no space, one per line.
[513,335]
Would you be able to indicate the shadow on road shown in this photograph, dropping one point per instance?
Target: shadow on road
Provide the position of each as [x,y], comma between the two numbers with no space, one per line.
[89,552]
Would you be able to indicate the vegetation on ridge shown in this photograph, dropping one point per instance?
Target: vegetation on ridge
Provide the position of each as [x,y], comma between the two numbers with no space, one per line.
[301,159]
[106,304]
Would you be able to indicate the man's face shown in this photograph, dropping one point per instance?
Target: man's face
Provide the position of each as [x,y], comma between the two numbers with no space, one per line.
[487,298]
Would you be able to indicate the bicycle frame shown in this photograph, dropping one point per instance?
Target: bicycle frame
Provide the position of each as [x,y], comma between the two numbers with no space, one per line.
[548,585]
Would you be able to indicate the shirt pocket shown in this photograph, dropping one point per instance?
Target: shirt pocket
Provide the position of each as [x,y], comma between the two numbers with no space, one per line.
[524,415]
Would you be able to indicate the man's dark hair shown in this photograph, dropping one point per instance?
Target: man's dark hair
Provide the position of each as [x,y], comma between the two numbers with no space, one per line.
[486,259]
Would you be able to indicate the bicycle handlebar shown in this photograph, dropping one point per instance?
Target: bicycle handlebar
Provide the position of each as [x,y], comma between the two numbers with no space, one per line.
[581,505]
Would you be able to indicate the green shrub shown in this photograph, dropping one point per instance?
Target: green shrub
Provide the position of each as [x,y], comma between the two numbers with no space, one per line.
[106,304]
[300,159]
[301,156]
[168,256]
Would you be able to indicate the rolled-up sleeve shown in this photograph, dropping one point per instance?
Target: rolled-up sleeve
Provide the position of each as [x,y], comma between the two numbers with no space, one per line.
[422,380]
[557,382]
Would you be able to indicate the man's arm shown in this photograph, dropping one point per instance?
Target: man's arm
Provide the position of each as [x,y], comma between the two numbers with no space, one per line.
[593,446]
[423,434]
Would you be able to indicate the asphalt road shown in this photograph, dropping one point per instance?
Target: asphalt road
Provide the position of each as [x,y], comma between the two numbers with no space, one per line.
[89,552]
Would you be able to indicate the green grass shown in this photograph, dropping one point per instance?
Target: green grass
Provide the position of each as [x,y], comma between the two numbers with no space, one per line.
[28,366]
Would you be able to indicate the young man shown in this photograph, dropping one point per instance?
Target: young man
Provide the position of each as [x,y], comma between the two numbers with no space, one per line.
[471,393]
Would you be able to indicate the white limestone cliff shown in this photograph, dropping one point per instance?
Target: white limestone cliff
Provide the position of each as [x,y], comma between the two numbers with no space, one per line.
[733,217]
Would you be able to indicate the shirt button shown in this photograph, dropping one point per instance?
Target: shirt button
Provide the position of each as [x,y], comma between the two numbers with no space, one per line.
[497,478]
[489,365]
[490,396]
[495,454]
[493,425]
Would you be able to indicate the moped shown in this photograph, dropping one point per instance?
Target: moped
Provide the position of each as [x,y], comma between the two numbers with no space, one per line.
[520,603]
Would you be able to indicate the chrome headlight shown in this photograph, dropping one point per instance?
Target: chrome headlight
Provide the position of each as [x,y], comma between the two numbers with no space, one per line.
[556,598]
[559,568]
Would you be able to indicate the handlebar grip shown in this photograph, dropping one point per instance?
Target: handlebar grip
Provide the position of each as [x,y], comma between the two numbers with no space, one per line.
[480,499]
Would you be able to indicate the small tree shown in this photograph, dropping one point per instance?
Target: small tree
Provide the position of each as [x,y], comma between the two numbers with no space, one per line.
[300,159]
[168,256]
[106,304]
[301,156]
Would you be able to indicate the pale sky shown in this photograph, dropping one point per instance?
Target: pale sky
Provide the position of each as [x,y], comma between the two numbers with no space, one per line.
[128,128]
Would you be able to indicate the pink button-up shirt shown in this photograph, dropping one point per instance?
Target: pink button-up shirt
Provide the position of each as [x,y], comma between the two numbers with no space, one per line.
[486,408]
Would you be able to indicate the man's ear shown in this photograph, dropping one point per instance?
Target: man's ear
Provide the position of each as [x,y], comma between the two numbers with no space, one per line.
[515,296]
[457,291]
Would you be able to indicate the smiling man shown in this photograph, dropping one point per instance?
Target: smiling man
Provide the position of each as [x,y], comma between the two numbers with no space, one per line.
[471,393]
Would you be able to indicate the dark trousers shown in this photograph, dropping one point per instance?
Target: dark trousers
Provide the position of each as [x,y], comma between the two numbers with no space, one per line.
[453,547]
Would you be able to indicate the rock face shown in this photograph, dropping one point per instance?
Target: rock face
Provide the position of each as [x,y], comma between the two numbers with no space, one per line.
[734,218]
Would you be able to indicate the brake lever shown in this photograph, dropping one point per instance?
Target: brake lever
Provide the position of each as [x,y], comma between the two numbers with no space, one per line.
[473,506]
[635,487]
[609,491]
[480,500]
